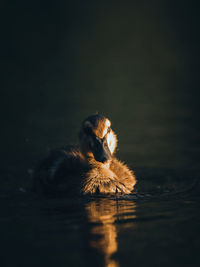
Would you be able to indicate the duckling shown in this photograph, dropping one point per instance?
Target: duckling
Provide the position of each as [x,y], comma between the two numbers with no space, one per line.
[88,168]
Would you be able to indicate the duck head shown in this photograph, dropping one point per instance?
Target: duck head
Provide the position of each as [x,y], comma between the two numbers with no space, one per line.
[97,139]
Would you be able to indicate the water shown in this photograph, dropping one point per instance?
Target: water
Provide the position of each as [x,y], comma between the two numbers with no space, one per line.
[100,231]
[135,62]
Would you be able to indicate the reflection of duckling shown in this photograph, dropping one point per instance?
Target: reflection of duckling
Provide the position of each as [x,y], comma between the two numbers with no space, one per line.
[102,214]
[103,233]
[91,167]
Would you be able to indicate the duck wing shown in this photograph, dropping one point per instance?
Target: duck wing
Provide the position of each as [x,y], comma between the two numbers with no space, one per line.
[57,168]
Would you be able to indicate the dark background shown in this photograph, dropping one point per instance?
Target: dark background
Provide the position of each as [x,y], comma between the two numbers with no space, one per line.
[137,62]
[134,61]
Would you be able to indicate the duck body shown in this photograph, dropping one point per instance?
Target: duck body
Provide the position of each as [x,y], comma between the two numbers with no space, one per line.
[88,168]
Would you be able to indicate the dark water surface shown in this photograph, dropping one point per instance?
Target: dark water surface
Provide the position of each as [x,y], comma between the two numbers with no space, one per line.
[137,63]
[100,231]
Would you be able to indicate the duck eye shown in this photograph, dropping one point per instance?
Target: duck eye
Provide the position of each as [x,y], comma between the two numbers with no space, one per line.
[105,144]
[109,130]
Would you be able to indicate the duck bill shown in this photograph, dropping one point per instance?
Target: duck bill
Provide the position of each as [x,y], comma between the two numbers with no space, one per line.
[106,155]
[102,153]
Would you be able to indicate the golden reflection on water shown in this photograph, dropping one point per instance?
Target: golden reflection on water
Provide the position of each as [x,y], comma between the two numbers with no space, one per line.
[103,214]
